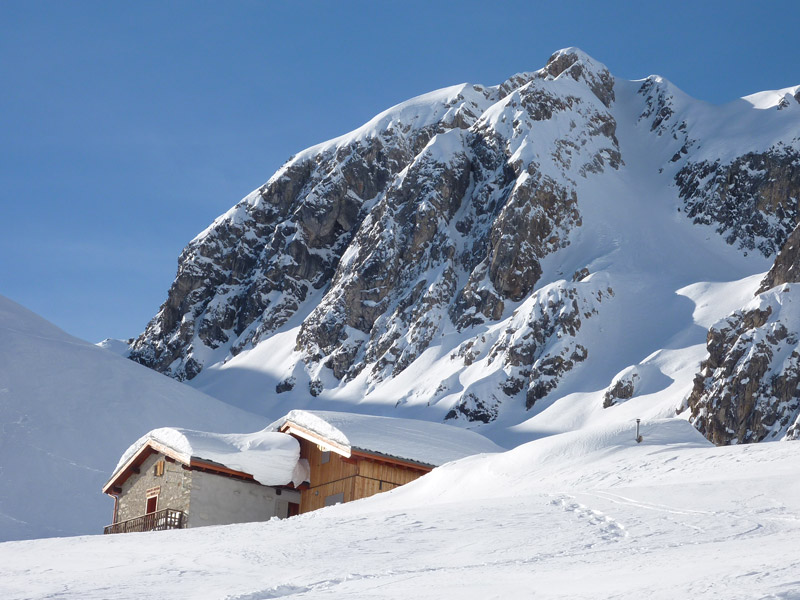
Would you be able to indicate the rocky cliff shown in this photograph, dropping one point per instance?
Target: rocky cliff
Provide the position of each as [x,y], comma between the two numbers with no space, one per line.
[748,388]
[478,249]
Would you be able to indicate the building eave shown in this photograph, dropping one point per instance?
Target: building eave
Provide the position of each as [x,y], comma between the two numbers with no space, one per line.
[292,428]
[125,471]
[326,444]
[196,463]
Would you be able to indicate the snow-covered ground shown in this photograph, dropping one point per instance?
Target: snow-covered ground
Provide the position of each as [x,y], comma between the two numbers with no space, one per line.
[588,514]
[68,410]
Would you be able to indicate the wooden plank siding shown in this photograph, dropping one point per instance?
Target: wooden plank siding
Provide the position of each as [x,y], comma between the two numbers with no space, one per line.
[354,478]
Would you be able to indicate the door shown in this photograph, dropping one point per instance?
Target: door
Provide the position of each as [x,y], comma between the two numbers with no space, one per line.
[152,503]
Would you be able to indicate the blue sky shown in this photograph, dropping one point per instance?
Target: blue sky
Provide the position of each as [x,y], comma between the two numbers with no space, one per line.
[126,128]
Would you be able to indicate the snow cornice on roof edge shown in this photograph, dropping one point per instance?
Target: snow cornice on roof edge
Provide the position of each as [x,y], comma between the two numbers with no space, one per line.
[416,442]
[267,457]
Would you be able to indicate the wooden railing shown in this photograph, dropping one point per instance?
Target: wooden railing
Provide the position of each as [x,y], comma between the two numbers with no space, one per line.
[168,518]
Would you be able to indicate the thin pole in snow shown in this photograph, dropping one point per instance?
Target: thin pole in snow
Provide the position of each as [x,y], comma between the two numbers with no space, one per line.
[638,437]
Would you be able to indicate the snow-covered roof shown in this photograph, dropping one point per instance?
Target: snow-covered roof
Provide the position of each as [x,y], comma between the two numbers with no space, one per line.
[411,440]
[270,457]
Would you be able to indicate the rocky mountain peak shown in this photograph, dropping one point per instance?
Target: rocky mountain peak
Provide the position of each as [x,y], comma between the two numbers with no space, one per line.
[581,67]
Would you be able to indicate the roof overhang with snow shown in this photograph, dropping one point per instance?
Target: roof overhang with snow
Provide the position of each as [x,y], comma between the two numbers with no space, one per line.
[418,444]
[267,457]
[152,447]
[324,443]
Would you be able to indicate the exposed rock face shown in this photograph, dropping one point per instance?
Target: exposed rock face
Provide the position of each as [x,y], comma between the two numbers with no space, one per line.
[621,389]
[538,348]
[752,201]
[452,216]
[749,387]
[747,390]
[786,268]
[252,269]
[390,224]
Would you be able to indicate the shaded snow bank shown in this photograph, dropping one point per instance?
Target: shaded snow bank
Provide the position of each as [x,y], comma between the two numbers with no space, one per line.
[590,456]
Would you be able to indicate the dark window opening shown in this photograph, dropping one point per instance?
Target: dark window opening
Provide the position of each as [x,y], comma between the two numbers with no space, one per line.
[334,499]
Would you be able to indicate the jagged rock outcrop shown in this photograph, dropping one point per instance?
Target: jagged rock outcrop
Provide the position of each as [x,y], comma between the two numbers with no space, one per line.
[538,348]
[786,268]
[752,201]
[749,386]
[747,389]
[622,388]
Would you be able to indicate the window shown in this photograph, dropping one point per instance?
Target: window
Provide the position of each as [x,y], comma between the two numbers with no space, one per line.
[326,457]
[334,499]
[158,469]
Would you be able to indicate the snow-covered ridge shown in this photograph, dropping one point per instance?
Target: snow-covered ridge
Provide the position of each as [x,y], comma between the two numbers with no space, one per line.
[779,99]
[446,107]
[440,106]
[119,347]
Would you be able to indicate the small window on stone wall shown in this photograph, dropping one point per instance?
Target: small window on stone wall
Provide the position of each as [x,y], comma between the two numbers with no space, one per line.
[158,469]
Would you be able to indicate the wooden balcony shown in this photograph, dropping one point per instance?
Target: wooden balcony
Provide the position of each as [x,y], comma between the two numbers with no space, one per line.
[168,518]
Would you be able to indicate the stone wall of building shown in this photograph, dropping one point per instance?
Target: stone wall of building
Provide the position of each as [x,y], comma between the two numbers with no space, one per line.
[219,500]
[206,498]
[174,488]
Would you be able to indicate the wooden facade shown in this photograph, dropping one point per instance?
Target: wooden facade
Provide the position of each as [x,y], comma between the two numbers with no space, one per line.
[336,478]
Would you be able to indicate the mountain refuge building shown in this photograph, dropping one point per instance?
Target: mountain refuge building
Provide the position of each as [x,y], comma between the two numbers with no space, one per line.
[176,478]
[353,456]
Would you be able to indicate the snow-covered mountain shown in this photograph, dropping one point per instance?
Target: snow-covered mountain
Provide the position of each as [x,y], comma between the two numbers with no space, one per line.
[68,410]
[533,256]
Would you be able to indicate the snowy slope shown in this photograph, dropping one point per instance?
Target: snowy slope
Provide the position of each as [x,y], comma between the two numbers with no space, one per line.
[68,410]
[526,258]
[589,514]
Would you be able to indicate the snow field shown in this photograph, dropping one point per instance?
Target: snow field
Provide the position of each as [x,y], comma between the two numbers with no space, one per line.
[589,514]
